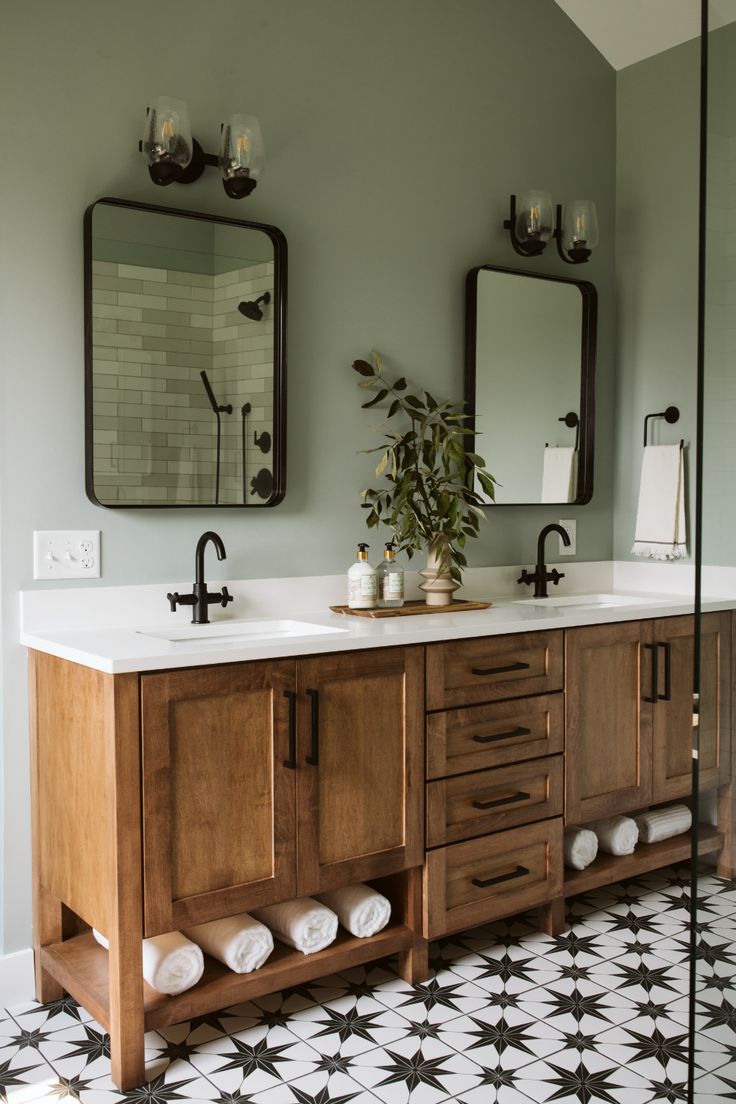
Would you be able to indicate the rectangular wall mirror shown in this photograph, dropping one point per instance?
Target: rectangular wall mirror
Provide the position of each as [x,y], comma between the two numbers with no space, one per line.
[185,358]
[529,382]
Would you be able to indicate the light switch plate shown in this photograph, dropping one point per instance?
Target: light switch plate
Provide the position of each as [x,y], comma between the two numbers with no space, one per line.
[570,528]
[66,554]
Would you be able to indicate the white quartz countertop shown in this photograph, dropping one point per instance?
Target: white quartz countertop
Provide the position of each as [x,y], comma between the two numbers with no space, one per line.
[116,648]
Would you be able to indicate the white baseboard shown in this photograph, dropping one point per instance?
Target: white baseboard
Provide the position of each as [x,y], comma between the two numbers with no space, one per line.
[16,978]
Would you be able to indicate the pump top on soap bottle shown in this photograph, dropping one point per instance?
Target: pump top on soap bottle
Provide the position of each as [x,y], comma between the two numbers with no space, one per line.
[362,586]
[390,580]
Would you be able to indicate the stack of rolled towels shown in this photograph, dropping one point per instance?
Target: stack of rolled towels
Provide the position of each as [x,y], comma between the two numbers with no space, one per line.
[173,963]
[310,925]
[619,835]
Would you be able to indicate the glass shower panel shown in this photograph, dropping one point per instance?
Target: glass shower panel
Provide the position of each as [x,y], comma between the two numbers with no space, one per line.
[713,933]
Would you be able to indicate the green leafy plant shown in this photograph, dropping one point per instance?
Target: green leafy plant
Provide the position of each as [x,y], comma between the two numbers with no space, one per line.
[429,500]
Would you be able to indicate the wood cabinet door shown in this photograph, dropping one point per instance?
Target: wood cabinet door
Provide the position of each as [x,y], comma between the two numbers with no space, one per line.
[360,779]
[609,720]
[674,638]
[218,796]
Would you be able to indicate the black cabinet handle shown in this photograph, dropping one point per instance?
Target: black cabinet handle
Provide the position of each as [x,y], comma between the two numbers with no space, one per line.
[484,883]
[290,695]
[667,648]
[520,796]
[500,670]
[655,673]
[502,735]
[313,757]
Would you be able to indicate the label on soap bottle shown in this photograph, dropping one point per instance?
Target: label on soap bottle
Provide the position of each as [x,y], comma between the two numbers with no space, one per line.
[368,586]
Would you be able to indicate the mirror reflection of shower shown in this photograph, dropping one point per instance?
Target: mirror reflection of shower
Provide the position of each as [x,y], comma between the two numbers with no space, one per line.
[226,408]
[251,309]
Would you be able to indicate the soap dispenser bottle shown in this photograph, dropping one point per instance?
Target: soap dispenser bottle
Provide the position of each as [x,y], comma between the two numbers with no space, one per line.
[390,580]
[362,582]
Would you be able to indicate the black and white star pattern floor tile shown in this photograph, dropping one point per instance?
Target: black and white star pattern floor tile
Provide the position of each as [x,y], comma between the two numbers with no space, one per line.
[509,1016]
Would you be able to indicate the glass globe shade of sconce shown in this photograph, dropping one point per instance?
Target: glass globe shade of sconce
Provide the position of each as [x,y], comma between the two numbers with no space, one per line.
[167,139]
[242,156]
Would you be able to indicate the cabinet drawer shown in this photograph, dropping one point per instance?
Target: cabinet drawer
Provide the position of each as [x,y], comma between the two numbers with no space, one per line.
[487,801]
[470,883]
[469,671]
[462,740]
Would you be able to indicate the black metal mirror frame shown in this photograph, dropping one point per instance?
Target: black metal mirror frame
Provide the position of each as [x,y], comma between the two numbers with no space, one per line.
[279,358]
[587,372]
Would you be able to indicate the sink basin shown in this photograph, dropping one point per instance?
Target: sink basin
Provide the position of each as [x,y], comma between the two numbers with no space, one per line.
[239,632]
[589,601]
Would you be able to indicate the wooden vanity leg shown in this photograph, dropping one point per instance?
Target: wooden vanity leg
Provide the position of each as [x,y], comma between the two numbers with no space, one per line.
[552,920]
[126,927]
[413,962]
[47,929]
[126,1012]
[726,825]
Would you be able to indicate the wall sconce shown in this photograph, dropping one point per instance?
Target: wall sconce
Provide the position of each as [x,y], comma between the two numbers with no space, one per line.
[531,225]
[174,156]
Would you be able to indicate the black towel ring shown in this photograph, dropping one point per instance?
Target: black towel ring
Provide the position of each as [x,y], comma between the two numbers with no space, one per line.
[670,415]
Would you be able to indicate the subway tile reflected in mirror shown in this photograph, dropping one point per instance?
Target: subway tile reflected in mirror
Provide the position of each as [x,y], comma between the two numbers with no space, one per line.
[185,325]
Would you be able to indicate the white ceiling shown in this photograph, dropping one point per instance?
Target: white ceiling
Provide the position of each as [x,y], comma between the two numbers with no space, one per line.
[625,31]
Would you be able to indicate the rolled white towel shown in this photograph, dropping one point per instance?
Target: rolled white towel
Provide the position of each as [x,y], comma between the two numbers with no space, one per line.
[239,942]
[171,963]
[617,835]
[360,909]
[303,923]
[662,824]
[580,847]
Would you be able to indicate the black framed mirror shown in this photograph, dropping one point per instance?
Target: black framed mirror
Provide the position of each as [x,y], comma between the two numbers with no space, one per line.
[530,343]
[185,358]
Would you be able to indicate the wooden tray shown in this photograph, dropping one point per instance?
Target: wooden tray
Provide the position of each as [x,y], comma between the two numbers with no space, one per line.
[410,609]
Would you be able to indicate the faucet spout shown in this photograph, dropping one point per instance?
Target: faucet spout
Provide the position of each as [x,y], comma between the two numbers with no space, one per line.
[204,540]
[541,576]
[200,598]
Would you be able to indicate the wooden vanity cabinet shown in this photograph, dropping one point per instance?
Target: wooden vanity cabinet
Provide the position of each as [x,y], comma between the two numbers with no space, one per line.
[629,708]
[168,799]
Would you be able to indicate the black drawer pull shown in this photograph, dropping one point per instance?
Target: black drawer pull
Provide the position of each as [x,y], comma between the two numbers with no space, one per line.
[503,735]
[290,695]
[500,670]
[520,796]
[484,883]
[313,757]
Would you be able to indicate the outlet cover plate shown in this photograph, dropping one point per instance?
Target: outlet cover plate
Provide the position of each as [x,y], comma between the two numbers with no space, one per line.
[66,554]
[570,527]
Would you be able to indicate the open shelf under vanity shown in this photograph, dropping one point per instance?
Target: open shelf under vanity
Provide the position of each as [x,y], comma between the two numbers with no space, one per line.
[80,965]
[647,856]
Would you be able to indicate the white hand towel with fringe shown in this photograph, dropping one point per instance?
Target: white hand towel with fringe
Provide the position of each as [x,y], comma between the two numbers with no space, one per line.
[360,909]
[660,520]
[303,923]
[662,824]
[559,474]
[580,847]
[171,962]
[239,942]
[617,835]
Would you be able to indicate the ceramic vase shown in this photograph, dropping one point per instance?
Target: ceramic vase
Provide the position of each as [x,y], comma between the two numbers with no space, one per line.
[438,586]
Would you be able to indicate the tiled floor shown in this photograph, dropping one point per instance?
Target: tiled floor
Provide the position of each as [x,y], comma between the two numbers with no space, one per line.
[511,1016]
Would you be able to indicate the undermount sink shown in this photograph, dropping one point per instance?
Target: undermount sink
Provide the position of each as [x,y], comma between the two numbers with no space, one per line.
[589,601]
[238,632]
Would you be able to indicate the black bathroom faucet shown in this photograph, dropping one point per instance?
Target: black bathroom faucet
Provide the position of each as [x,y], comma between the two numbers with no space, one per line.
[200,598]
[541,576]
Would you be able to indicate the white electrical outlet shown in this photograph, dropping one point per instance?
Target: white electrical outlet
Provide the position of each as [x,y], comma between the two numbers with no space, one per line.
[570,528]
[66,554]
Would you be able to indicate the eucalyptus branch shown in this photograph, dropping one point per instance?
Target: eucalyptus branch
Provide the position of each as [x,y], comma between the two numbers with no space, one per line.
[430,497]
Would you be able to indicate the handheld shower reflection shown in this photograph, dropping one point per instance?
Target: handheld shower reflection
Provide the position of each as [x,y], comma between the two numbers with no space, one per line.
[251,309]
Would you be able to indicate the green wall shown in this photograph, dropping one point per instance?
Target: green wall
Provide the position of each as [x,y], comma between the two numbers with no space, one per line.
[657,126]
[394,134]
